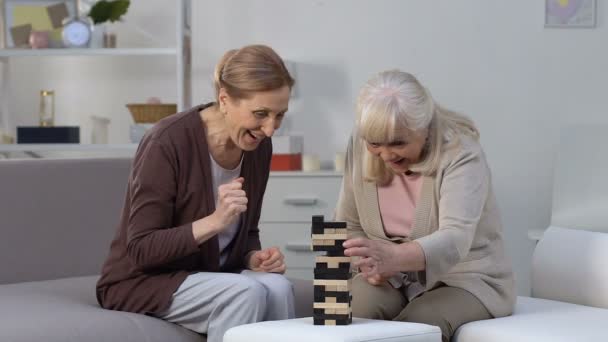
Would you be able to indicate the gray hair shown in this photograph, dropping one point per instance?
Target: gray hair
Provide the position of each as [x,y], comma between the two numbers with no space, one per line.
[394,102]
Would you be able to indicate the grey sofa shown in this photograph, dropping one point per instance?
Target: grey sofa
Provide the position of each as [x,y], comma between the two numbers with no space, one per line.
[57,218]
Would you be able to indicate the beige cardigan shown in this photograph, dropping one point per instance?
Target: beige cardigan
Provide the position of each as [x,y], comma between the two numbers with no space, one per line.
[457,223]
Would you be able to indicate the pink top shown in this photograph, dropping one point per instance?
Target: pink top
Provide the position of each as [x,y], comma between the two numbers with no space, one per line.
[397,202]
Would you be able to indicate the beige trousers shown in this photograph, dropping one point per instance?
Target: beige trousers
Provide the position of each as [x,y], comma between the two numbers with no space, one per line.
[446,307]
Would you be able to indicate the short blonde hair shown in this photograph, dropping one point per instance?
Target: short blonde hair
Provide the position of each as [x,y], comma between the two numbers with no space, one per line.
[394,102]
[250,69]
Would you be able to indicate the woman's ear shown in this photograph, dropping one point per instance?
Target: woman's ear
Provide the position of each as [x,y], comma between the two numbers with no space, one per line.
[223,99]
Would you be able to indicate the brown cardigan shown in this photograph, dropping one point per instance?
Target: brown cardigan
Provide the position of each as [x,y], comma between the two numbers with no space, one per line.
[170,187]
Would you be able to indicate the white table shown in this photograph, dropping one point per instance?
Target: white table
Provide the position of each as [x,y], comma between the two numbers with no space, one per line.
[361,330]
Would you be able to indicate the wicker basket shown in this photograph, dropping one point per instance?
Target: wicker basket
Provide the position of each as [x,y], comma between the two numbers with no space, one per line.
[151,113]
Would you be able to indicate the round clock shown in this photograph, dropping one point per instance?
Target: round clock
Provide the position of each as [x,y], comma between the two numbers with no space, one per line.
[76,33]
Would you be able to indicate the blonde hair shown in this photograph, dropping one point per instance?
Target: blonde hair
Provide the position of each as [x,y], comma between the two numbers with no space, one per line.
[394,102]
[250,69]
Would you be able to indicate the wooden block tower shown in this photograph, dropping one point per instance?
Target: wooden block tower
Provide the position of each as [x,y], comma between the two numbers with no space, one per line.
[332,274]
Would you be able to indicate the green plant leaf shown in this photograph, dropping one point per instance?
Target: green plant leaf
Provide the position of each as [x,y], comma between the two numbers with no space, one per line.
[112,11]
[119,8]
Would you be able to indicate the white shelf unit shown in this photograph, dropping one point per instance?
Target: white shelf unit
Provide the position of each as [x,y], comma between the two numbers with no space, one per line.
[88,52]
[181,52]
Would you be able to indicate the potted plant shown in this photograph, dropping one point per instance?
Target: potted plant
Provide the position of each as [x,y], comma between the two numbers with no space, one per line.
[103,12]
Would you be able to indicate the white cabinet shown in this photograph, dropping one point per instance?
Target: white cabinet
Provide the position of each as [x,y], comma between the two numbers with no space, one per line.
[290,201]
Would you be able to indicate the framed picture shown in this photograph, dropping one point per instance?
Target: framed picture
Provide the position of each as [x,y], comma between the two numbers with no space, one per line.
[21,17]
[570,13]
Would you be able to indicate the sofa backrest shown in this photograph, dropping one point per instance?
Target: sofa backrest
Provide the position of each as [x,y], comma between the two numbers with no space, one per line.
[580,185]
[58,216]
[571,265]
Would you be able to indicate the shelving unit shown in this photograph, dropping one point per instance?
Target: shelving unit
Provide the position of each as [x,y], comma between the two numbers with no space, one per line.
[35,150]
[88,52]
[181,52]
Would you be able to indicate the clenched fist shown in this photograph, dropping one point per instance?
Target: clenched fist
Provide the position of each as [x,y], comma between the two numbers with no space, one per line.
[267,260]
[231,202]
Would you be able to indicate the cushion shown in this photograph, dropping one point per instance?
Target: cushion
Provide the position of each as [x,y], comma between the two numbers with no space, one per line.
[57,216]
[66,310]
[571,266]
[361,330]
[539,320]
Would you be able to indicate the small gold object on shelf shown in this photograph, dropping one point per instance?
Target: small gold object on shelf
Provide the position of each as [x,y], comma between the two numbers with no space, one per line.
[47,108]
[151,113]
[6,139]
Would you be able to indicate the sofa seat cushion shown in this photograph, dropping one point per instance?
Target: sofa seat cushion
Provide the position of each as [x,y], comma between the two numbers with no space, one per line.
[540,320]
[65,310]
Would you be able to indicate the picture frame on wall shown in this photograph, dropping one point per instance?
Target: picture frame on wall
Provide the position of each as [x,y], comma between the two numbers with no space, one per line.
[570,13]
[22,17]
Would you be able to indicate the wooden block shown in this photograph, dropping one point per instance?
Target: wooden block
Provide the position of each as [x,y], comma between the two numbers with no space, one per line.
[334,224]
[342,320]
[339,283]
[343,288]
[329,231]
[318,218]
[329,237]
[330,322]
[331,305]
[328,259]
[333,249]
[346,266]
[323,242]
[330,311]
[331,288]
[342,311]
[320,295]
[332,276]
[330,299]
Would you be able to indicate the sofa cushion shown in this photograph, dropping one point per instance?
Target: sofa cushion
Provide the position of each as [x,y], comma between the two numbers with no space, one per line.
[66,310]
[539,320]
[569,265]
[57,217]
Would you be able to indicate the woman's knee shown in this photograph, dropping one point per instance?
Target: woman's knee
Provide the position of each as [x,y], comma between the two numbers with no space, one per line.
[425,313]
[250,291]
[374,302]
[278,285]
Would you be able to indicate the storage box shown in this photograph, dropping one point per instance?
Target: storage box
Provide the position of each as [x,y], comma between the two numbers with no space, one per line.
[48,135]
[286,162]
[287,153]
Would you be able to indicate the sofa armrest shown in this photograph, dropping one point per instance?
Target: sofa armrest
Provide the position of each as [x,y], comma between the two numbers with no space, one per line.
[569,265]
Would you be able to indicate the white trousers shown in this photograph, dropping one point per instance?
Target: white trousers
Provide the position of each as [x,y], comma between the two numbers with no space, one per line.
[211,303]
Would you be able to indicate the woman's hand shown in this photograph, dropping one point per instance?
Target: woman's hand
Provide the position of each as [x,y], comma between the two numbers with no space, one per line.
[267,260]
[231,202]
[384,259]
[375,280]
[379,260]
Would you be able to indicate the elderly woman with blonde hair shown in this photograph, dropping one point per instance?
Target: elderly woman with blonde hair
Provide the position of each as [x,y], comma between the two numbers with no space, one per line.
[423,221]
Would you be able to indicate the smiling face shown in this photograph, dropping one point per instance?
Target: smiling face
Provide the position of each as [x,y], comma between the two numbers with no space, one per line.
[252,119]
[398,153]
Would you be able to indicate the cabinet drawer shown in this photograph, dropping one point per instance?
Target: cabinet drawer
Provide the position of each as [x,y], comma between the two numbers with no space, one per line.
[294,241]
[297,199]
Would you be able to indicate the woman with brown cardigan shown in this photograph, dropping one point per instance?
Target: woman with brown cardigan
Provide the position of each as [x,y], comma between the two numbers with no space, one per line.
[423,221]
[187,249]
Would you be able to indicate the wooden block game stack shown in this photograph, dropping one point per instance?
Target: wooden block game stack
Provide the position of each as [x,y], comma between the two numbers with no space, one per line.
[332,274]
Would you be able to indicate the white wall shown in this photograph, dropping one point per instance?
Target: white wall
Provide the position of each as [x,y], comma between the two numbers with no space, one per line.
[492,60]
